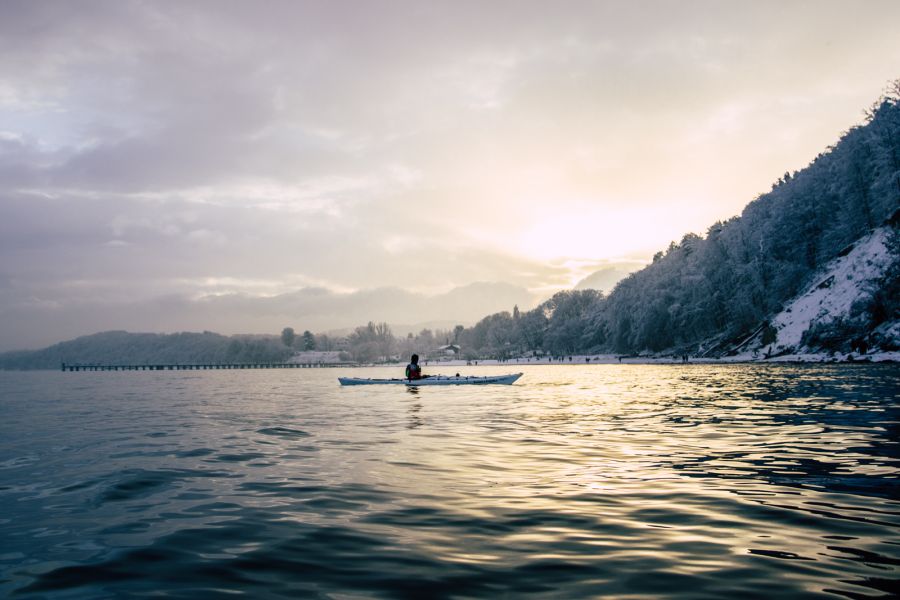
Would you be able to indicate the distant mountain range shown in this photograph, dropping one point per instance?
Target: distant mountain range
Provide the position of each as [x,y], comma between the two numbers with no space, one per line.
[315,309]
[319,309]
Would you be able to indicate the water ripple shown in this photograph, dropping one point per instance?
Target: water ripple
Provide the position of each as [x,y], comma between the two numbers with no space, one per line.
[618,481]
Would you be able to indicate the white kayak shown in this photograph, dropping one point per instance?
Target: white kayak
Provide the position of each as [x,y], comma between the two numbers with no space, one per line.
[436,380]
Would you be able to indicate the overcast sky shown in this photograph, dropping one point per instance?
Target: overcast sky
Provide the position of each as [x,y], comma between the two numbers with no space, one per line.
[152,151]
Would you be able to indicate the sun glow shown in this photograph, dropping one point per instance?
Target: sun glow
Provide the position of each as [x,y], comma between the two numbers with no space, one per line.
[599,233]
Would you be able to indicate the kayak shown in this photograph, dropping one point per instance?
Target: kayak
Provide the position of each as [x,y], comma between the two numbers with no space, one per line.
[436,380]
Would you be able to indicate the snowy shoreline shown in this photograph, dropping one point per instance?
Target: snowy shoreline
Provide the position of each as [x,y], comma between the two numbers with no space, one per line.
[614,359]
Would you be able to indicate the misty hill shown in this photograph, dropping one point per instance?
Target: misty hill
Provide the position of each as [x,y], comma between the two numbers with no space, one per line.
[316,309]
[603,280]
[711,293]
[123,348]
[295,309]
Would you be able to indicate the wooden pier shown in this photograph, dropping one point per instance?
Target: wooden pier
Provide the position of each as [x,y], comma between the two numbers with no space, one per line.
[199,367]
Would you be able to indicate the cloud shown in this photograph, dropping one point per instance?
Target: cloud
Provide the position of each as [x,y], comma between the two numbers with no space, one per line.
[221,148]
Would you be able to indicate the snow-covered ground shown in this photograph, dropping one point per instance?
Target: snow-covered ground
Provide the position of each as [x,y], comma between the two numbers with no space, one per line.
[611,359]
[312,357]
[434,366]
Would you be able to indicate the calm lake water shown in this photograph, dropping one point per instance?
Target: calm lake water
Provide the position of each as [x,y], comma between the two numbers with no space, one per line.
[634,481]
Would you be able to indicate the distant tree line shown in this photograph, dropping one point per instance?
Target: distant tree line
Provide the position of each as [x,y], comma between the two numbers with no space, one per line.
[306,342]
[375,342]
[123,348]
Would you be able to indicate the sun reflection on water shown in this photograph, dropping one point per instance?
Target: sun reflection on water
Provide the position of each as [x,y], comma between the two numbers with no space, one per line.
[663,481]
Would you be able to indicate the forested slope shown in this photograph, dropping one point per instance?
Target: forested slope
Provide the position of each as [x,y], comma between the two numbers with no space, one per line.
[727,283]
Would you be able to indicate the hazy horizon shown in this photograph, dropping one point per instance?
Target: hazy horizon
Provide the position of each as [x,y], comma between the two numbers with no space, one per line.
[172,164]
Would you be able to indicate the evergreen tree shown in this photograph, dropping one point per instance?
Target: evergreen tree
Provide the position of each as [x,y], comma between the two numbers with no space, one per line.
[309,340]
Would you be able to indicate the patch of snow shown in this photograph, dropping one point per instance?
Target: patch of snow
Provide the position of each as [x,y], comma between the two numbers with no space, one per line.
[884,356]
[668,359]
[315,357]
[843,281]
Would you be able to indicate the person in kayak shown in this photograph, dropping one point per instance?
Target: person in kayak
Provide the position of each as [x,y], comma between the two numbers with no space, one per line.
[413,370]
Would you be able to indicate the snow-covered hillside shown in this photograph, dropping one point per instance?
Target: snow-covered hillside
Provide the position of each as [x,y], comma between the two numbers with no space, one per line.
[830,297]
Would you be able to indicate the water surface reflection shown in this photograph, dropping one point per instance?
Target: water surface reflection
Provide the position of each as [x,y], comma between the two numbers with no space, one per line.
[620,480]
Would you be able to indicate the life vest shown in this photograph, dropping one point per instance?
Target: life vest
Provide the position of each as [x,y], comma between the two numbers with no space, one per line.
[413,371]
